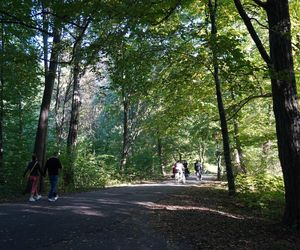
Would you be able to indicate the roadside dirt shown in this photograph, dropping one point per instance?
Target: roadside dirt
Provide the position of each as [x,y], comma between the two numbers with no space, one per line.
[207,218]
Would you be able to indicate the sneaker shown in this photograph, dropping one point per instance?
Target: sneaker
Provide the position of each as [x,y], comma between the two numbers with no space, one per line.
[56,197]
[31,199]
[37,197]
[51,199]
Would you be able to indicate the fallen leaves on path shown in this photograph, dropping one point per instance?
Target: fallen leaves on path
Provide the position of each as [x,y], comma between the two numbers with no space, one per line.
[207,218]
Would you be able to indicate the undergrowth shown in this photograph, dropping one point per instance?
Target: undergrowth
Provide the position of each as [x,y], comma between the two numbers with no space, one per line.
[263,193]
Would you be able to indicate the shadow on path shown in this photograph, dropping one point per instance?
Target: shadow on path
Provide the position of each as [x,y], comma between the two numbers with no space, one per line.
[112,218]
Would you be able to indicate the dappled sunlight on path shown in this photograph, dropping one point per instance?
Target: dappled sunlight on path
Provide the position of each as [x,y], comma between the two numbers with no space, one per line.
[155,206]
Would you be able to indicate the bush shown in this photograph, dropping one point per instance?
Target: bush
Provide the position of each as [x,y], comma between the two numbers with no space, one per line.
[263,192]
[92,171]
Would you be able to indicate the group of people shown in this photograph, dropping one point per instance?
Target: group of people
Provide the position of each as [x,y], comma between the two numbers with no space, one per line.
[34,172]
[181,171]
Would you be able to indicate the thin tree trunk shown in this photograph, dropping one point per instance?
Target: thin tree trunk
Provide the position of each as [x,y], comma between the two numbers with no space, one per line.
[58,126]
[45,37]
[41,134]
[2,167]
[21,120]
[219,161]
[74,121]
[160,156]
[238,145]
[226,144]
[285,99]
[125,147]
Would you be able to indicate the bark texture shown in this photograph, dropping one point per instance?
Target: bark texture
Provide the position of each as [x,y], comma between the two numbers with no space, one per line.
[41,134]
[285,100]
[224,128]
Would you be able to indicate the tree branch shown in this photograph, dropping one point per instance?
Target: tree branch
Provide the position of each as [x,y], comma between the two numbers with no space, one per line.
[19,22]
[252,32]
[242,103]
[260,3]
[262,25]
[170,12]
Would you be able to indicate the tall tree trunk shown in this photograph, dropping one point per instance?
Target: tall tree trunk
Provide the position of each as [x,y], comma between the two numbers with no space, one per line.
[226,144]
[201,152]
[160,156]
[285,100]
[219,167]
[285,105]
[41,134]
[125,147]
[45,36]
[74,121]
[58,126]
[240,155]
[2,167]
[238,146]
[21,120]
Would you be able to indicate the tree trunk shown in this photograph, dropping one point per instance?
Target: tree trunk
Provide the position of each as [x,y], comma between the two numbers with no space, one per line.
[219,161]
[160,156]
[240,155]
[74,121]
[41,134]
[45,37]
[285,100]
[58,127]
[285,105]
[226,144]
[125,148]
[2,167]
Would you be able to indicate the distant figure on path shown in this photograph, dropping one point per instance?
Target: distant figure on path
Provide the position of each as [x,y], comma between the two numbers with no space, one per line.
[53,165]
[35,172]
[198,169]
[186,170]
[179,176]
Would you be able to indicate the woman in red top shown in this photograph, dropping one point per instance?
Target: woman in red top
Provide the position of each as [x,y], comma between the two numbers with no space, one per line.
[35,172]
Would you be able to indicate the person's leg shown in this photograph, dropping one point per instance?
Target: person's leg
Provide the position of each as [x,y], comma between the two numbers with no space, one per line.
[55,185]
[53,182]
[33,180]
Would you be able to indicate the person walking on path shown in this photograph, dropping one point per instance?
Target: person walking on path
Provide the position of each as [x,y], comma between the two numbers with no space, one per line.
[34,170]
[198,169]
[53,166]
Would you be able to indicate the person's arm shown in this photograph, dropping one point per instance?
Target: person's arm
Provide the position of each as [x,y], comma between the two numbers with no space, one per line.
[45,169]
[39,169]
[59,164]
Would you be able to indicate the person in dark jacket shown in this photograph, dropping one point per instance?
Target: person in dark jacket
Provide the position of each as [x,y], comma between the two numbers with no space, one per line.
[53,166]
[35,172]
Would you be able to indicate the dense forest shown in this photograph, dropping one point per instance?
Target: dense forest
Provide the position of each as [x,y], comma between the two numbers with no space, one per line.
[122,89]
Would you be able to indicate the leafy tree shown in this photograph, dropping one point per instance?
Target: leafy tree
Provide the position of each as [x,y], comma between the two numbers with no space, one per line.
[284,93]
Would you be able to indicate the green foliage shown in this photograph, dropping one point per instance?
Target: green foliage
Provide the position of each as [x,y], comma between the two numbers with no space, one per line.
[262,192]
[90,172]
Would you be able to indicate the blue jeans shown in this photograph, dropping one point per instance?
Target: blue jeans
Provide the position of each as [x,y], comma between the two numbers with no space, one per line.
[53,182]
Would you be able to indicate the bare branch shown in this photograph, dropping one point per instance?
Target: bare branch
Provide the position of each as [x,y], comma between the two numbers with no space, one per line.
[242,103]
[14,20]
[262,25]
[253,33]
[260,3]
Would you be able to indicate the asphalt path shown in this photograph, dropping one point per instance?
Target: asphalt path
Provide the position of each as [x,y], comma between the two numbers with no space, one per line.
[109,219]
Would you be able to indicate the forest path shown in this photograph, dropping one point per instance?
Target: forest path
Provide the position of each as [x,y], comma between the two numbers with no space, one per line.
[112,218]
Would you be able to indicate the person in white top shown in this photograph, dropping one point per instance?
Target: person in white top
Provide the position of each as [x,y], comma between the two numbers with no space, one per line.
[179,175]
